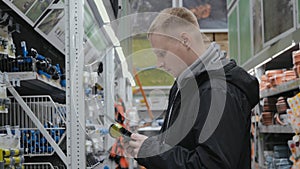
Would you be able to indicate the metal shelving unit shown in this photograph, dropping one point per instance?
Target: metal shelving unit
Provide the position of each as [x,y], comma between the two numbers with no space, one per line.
[26,76]
[74,70]
[111,56]
[264,132]
[32,118]
[50,114]
[73,115]
[284,87]
[250,46]
[276,129]
[38,165]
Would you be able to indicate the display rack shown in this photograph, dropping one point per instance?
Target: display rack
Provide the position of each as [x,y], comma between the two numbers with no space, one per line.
[250,24]
[48,113]
[285,87]
[71,110]
[276,129]
[35,121]
[27,76]
[113,56]
[38,165]
[262,132]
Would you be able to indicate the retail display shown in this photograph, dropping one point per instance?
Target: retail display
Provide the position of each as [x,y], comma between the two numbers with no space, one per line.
[294,120]
[277,118]
[21,124]
[269,49]
[49,114]
[274,78]
[267,118]
[296,62]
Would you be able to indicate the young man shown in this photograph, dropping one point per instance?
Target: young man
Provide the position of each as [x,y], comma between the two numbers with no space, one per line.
[207,124]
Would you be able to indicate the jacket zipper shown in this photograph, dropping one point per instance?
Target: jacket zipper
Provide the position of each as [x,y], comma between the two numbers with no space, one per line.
[169,116]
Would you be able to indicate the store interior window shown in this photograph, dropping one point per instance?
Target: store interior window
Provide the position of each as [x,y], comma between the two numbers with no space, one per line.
[211,14]
[274,13]
[257,26]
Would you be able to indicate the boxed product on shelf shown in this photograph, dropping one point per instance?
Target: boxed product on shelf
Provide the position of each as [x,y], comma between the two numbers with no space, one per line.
[278,158]
[267,118]
[294,146]
[268,108]
[274,111]
[296,62]
[294,104]
[289,75]
[273,78]
[264,84]
[294,119]
[269,104]
[294,112]
[281,105]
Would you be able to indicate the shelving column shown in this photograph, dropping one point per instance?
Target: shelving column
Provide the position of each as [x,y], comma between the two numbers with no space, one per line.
[74,91]
[109,93]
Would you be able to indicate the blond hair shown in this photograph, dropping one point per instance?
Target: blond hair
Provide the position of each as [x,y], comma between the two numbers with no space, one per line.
[171,20]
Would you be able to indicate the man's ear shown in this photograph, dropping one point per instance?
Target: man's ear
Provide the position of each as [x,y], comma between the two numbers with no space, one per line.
[186,39]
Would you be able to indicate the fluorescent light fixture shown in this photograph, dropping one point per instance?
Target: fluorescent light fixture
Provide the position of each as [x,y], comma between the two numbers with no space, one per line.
[102,11]
[122,58]
[125,72]
[173,3]
[264,62]
[274,56]
[251,71]
[59,5]
[111,34]
[213,30]
[284,50]
[180,3]
[120,54]
[130,78]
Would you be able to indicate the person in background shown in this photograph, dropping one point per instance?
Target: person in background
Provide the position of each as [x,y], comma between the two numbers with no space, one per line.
[207,124]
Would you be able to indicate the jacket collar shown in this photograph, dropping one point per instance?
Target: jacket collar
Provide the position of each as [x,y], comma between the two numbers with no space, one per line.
[212,59]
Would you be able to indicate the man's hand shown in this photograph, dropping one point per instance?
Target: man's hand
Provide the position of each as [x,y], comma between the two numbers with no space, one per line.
[133,146]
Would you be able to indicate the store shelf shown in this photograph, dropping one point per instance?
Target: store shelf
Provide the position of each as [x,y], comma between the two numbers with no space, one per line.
[21,75]
[31,83]
[284,87]
[34,76]
[276,129]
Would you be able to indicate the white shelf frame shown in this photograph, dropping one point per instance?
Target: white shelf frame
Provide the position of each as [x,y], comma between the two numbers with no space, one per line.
[76,157]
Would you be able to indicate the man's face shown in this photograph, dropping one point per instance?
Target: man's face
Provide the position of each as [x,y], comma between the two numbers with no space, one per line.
[169,53]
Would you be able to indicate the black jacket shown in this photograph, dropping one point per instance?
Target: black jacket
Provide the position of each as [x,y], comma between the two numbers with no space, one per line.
[208,128]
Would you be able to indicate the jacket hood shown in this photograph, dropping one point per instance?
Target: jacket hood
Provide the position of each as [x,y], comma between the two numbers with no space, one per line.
[214,64]
[244,81]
